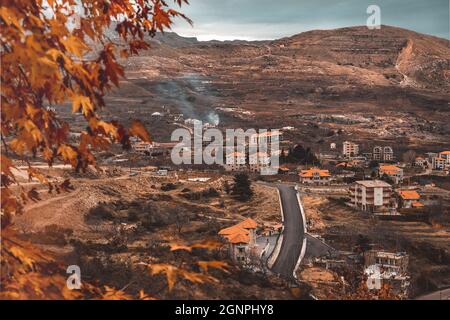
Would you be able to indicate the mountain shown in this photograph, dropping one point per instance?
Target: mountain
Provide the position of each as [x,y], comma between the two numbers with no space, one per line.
[390,72]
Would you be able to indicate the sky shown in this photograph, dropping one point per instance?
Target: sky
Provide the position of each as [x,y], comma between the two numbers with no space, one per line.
[273,19]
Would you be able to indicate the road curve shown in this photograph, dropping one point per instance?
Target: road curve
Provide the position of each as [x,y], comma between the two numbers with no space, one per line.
[293,233]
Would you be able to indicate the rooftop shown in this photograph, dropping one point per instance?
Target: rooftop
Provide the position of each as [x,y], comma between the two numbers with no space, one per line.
[373,184]
[409,194]
[310,172]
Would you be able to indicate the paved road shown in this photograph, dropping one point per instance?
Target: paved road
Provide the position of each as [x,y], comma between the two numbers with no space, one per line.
[293,233]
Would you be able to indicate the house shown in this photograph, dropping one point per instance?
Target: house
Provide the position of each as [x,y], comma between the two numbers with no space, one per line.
[438,163]
[241,238]
[421,162]
[445,155]
[235,161]
[350,149]
[409,199]
[393,172]
[315,176]
[371,195]
[389,268]
[383,153]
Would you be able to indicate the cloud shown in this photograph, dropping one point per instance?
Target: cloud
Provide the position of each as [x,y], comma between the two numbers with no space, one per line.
[268,19]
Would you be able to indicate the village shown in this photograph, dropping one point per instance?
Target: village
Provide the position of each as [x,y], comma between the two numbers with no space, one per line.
[376,183]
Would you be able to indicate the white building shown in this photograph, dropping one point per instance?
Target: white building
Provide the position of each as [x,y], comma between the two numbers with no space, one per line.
[445,155]
[387,268]
[235,161]
[259,161]
[438,163]
[350,149]
[371,195]
[383,153]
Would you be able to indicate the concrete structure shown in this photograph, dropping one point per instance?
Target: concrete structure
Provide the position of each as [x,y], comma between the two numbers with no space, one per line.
[235,161]
[371,195]
[393,172]
[438,163]
[266,138]
[421,162]
[258,161]
[445,155]
[387,268]
[350,149]
[144,148]
[383,153]
[241,239]
[315,176]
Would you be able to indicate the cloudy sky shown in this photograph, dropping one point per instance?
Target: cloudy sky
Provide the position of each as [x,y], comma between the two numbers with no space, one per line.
[271,19]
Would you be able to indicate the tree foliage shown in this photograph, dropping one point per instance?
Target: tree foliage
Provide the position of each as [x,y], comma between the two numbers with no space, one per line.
[242,187]
[56,51]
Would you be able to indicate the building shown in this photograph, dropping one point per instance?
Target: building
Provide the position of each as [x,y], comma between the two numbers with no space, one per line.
[235,161]
[258,161]
[266,138]
[438,163]
[332,146]
[350,149]
[371,195]
[409,199]
[421,162]
[315,176]
[445,155]
[141,147]
[387,268]
[393,172]
[241,238]
[383,153]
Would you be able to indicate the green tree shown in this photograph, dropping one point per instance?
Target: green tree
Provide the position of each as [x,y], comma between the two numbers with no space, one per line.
[242,188]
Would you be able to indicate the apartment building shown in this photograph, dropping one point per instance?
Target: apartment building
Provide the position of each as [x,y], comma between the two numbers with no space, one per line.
[315,176]
[350,149]
[383,153]
[143,148]
[266,138]
[438,163]
[393,172]
[235,161]
[371,195]
[259,161]
[241,238]
[446,156]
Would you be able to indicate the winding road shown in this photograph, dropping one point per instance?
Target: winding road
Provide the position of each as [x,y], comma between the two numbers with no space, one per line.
[293,233]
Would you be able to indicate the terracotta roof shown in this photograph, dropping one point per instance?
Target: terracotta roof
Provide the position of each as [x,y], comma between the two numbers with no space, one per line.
[309,173]
[417,204]
[248,223]
[409,194]
[445,152]
[239,233]
[238,238]
[440,159]
[390,169]
[233,230]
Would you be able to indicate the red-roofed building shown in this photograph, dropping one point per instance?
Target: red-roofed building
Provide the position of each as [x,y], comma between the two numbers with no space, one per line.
[393,172]
[241,238]
[315,176]
[409,198]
